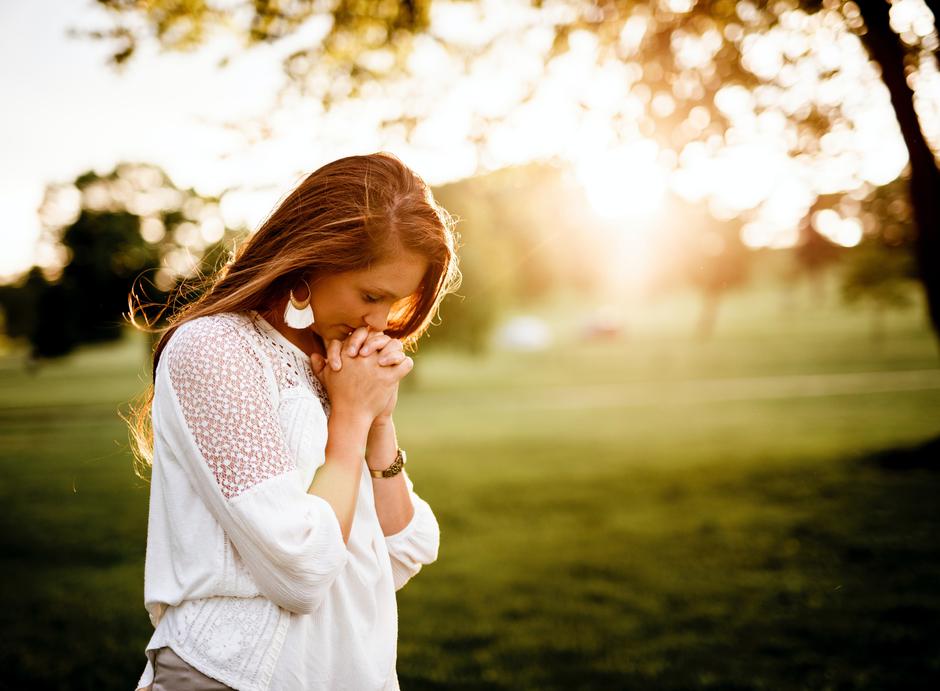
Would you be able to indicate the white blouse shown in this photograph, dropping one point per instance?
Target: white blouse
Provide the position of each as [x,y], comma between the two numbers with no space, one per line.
[247,577]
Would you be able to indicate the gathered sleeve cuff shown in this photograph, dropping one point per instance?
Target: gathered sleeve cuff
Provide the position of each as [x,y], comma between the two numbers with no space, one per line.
[215,415]
[291,541]
[417,543]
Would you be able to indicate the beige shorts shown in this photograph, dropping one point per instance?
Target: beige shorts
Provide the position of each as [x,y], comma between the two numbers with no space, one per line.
[173,673]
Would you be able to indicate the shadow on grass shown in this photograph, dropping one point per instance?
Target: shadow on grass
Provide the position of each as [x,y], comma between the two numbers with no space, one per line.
[865,610]
[924,456]
[822,576]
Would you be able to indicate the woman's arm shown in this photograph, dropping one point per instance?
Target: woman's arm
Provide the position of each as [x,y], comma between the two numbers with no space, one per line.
[392,501]
[411,531]
[359,393]
[408,523]
[337,480]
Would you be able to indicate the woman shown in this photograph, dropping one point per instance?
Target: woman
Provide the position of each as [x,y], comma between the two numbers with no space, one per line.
[281,519]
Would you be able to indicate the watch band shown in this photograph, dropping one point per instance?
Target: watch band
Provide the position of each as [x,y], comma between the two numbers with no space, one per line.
[394,468]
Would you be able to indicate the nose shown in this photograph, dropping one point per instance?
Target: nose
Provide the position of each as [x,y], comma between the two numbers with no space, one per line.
[377,319]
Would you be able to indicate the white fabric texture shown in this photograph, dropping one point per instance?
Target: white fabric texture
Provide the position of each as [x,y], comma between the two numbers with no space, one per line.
[247,577]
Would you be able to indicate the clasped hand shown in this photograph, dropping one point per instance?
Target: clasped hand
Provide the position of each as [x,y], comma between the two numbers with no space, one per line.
[363,371]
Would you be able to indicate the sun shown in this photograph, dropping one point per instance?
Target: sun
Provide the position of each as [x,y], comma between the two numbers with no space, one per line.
[624,183]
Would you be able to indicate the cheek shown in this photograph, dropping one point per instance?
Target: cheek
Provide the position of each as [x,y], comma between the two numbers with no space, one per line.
[342,310]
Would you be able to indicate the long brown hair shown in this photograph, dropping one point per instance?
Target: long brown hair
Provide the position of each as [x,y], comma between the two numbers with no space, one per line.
[349,214]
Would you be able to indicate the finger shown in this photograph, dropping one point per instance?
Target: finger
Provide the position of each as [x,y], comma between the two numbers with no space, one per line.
[393,358]
[404,367]
[355,341]
[375,343]
[317,363]
[334,355]
[393,346]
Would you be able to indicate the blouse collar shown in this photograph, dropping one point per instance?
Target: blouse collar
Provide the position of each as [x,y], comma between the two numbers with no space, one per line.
[278,336]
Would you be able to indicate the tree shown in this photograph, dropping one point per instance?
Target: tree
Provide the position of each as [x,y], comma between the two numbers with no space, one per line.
[685,54]
[886,49]
[521,238]
[20,304]
[814,252]
[881,270]
[109,232]
[879,275]
[706,253]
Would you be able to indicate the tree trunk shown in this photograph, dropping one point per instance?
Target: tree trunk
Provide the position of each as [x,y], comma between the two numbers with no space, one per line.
[708,317]
[886,50]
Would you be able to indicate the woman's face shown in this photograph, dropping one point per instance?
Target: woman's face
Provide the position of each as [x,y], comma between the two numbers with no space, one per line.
[343,302]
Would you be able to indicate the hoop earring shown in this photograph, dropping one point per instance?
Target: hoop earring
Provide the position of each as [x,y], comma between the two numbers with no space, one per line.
[298,314]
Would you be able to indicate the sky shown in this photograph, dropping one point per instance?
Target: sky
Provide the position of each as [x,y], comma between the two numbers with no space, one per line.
[68,112]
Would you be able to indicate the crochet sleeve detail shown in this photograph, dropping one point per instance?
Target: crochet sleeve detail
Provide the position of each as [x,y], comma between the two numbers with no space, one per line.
[227,402]
[215,413]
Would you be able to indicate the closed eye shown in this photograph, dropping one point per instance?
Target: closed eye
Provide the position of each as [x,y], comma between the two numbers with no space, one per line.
[370,298]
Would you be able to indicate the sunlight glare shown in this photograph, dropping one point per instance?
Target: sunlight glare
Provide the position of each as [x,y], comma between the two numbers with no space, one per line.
[842,231]
[624,183]
[744,175]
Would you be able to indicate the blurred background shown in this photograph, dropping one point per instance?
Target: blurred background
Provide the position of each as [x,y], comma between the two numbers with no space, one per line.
[679,426]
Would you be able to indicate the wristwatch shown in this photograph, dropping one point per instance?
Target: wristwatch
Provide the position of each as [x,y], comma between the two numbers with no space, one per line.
[394,468]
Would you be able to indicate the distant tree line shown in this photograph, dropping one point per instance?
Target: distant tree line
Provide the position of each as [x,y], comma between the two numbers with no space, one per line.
[527,235]
[367,46]
[111,233]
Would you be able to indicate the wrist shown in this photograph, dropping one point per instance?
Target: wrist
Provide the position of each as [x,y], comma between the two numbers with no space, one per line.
[392,468]
[382,421]
[381,433]
[350,422]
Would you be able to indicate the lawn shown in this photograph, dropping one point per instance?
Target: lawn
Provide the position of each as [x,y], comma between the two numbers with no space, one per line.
[755,511]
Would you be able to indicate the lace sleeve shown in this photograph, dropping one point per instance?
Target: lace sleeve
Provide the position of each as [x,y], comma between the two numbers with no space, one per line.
[226,400]
[230,442]
[415,544]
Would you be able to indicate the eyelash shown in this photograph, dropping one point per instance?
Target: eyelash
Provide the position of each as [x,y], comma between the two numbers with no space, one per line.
[369,298]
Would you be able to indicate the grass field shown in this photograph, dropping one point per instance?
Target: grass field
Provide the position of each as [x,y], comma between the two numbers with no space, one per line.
[754,512]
